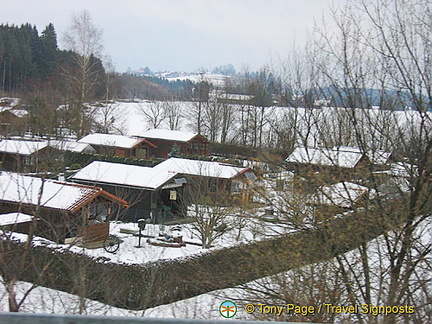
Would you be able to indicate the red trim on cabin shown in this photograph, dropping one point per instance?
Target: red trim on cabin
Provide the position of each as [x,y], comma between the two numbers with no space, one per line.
[94,192]
[143,140]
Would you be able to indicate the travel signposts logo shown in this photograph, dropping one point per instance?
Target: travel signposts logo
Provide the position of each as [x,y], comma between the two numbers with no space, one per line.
[228,309]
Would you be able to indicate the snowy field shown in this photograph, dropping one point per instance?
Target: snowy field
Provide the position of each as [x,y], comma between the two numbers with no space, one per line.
[132,118]
[127,118]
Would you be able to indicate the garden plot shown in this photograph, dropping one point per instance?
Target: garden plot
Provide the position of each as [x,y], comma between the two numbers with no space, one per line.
[240,230]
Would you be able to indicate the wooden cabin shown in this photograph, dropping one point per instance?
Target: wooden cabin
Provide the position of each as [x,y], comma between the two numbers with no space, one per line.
[234,182]
[13,120]
[158,192]
[150,192]
[337,198]
[326,166]
[167,140]
[119,145]
[61,209]
[22,155]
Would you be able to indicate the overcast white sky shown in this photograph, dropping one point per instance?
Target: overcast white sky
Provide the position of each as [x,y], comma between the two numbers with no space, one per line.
[182,35]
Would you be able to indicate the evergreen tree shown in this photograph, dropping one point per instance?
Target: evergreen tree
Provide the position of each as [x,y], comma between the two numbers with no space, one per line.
[48,51]
[26,57]
[175,151]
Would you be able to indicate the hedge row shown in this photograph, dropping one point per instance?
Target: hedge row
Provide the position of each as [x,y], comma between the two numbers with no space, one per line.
[82,159]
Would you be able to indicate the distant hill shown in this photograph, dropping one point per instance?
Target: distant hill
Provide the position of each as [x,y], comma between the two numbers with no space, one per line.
[134,87]
[385,99]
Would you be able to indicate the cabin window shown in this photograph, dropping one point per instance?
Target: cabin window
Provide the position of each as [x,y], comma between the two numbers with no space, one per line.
[250,176]
[236,187]
[213,185]
[98,213]
[28,160]
[199,146]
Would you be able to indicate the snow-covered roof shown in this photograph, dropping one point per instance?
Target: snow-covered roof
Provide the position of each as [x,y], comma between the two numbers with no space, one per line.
[17,188]
[123,174]
[19,112]
[199,168]
[72,146]
[21,147]
[14,218]
[232,96]
[342,194]
[219,94]
[378,157]
[171,135]
[111,140]
[400,169]
[394,187]
[9,102]
[326,157]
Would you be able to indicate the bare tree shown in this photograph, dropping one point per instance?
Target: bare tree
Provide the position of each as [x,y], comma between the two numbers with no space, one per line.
[14,259]
[85,40]
[228,120]
[397,46]
[201,99]
[212,120]
[153,112]
[372,60]
[206,200]
[173,113]
[110,118]
[210,222]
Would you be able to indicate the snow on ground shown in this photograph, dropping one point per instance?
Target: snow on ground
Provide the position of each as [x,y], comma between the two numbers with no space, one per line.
[50,301]
[205,306]
[46,300]
[241,230]
[127,118]
[129,253]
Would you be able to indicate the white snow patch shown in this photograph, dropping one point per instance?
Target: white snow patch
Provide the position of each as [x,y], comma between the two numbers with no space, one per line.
[14,218]
[22,147]
[110,140]
[124,174]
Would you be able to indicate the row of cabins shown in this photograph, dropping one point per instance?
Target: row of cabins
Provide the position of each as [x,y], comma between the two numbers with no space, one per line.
[126,191]
[341,178]
[156,143]
[25,155]
[104,190]
[341,163]
[169,186]
[29,155]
